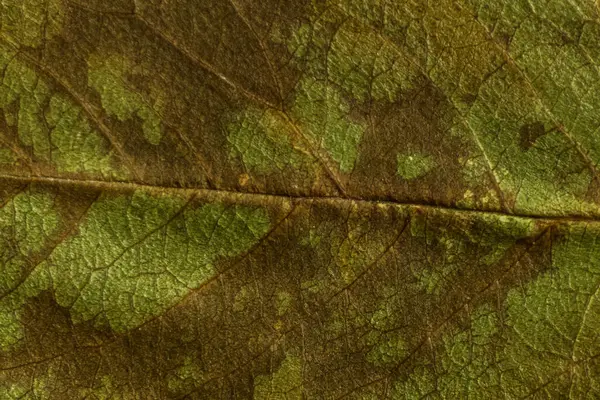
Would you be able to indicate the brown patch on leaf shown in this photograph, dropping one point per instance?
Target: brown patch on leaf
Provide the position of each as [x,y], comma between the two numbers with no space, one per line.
[419,122]
[529,133]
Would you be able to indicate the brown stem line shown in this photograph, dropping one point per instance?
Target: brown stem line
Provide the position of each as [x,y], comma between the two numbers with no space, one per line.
[258,198]
[21,155]
[263,48]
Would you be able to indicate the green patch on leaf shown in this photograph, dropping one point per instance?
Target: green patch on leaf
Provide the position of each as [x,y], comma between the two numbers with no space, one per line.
[262,140]
[108,76]
[325,115]
[368,65]
[387,349]
[108,390]
[51,124]
[135,257]
[463,367]
[27,222]
[186,377]
[283,302]
[415,165]
[7,157]
[30,22]
[364,64]
[15,392]
[283,384]
[11,307]
[546,338]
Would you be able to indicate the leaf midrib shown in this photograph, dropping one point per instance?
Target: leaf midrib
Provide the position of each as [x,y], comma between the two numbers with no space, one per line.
[261,198]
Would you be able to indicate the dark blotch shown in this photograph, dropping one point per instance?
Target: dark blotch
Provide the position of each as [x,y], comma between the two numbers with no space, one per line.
[469,98]
[530,133]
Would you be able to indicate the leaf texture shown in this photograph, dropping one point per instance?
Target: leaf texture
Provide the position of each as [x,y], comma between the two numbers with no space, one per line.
[276,200]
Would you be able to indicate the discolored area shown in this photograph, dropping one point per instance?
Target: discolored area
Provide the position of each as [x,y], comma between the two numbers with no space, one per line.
[530,133]
[299,199]
[304,99]
[288,297]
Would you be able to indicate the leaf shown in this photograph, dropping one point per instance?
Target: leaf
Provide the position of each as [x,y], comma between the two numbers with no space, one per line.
[299,199]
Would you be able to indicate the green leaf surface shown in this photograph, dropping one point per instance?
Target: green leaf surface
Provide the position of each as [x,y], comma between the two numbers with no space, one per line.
[350,199]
